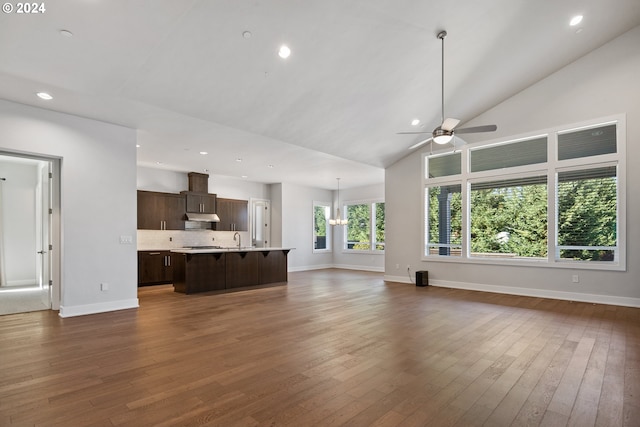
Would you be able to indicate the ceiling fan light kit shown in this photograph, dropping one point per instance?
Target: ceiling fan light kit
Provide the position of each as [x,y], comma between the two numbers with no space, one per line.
[444,133]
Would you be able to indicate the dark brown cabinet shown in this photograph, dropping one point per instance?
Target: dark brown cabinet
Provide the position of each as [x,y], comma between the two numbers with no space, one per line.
[154,267]
[199,272]
[201,203]
[160,211]
[234,215]
[242,269]
[273,266]
[220,270]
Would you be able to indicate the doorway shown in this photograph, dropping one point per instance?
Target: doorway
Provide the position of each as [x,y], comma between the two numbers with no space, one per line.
[260,223]
[25,233]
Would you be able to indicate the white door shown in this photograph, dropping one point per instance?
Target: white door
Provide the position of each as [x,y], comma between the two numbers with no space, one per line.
[261,223]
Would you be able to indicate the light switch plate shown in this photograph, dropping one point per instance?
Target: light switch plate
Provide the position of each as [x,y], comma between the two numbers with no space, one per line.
[126,240]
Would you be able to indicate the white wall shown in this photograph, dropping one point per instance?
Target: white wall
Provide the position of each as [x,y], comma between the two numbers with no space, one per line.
[19,222]
[97,201]
[168,181]
[297,226]
[601,84]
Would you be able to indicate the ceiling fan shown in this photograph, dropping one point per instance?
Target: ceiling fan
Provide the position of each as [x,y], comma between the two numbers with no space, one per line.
[443,134]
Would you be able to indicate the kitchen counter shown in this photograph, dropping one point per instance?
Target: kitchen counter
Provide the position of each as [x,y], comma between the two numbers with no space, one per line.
[214,269]
[212,250]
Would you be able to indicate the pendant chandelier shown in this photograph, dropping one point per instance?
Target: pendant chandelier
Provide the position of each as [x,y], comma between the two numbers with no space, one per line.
[338,219]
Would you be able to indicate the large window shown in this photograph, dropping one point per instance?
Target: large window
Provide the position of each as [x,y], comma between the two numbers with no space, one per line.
[365,227]
[554,198]
[509,218]
[321,232]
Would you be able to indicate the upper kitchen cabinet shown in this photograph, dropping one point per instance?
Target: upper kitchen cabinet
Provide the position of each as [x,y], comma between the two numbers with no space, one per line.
[234,215]
[201,203]
[160,211]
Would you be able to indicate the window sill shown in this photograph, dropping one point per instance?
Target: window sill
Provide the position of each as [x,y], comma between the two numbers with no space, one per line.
[536,263]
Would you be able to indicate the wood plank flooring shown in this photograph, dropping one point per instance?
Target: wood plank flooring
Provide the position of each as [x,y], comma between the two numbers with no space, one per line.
[330,348]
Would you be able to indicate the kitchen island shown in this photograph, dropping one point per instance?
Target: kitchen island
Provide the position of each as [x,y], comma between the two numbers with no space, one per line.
[216,269]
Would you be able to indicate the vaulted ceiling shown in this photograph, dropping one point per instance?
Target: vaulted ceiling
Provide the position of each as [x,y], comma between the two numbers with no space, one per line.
[204,75]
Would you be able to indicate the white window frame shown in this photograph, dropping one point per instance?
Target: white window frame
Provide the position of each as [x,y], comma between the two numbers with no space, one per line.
[329,241]
[372,227]
[552,167]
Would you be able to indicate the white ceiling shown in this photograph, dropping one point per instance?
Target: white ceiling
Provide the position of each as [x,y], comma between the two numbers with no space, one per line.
[182,73]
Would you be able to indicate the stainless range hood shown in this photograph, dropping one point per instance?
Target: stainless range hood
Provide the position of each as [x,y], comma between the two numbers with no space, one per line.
[202,217]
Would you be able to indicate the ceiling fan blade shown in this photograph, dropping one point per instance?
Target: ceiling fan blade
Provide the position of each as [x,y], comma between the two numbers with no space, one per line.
[418,144]
[474,129]
[413,133]
[449,124]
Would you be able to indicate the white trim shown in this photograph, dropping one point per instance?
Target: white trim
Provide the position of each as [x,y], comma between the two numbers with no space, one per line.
[359,267]
[22,282]
[81,310]
[338,266]
[310,267]
[550,168]
[529,292]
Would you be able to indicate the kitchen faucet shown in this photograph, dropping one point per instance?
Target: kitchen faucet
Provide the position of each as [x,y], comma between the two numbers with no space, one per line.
[239,239]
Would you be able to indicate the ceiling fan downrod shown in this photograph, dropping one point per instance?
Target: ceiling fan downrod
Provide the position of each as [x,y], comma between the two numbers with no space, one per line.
[441,36]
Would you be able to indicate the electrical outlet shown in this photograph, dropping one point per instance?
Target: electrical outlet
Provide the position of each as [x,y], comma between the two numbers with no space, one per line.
[104,287]
[575,278]
[408,267]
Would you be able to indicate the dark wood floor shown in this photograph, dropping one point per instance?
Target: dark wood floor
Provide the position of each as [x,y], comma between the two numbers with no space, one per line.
[332,347]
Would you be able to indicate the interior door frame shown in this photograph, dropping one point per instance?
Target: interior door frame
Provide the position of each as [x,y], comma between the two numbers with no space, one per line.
[55,232]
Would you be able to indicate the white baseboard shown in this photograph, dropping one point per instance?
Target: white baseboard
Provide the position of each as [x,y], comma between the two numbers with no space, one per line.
[359,267]
[341,266]
[529,292]
[81,310]
[311,267]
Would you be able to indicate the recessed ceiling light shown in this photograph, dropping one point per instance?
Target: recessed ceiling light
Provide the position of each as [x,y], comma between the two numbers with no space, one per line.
[415,122]
[44,95]
[246,34]
[159,163]
[270,166]
[245,176]
[284,51]
[137,145]
[239,159]
[66,33]
[204,153]
[575,20]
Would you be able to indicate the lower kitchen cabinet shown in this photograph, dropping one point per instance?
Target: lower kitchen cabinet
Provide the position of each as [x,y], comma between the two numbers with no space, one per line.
[242,269]
[154,267]
[199,272]
[220,270]
[273,266]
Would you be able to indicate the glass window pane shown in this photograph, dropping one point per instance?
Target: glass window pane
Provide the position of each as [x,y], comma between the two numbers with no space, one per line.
[444,220]
[519,153]
[379,212]
[320,227]
[587,142]
[509,218]
[358,227]
[587,214]
[450,164]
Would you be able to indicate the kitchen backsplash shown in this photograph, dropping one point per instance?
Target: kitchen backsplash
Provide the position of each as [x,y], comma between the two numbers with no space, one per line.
[151,240]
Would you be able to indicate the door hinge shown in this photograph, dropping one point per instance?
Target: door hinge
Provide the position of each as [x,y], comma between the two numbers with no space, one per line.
[50,175]
[50,247]
[50,211]
[50,283]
